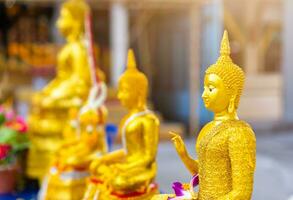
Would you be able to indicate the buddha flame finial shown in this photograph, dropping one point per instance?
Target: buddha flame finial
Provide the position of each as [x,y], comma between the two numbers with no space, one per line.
[225,45]
[131,63]
[132,75]
[224,50]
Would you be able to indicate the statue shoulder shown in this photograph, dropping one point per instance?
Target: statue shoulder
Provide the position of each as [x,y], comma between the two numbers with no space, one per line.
[244,125]
[240,129]
[207,126]
[242,144]
[78,49]
[152,117]
[205,129]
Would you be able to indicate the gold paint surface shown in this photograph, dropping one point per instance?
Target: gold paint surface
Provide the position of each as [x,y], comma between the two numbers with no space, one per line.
[226,147]
[130,171]
[69,89]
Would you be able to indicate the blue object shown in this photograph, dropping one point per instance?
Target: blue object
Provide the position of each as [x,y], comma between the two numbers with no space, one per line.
[111,133]
[25,195]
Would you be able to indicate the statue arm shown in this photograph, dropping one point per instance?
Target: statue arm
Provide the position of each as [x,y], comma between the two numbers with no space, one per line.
[114,156]
[150,129]
[109,158]
[242,152]
[190,163]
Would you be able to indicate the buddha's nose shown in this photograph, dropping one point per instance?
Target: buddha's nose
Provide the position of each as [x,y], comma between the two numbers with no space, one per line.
[204,95]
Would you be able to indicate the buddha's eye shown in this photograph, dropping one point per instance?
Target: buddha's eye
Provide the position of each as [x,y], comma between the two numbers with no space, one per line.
[211,89]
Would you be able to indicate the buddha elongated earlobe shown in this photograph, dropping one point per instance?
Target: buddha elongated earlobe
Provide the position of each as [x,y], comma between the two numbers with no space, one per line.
[231,107]
[141,100]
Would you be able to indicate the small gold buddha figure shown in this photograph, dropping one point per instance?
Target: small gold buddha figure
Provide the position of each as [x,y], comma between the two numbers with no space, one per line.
[226,146]
[129,173]
[68,90]
[86,141]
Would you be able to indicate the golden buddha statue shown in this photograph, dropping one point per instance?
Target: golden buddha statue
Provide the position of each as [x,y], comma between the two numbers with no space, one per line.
[226,146]
[68,90]
[129,173]
[72,77]
[84,141]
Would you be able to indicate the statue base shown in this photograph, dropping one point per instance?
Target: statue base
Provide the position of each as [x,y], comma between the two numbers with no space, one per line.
[67,185]
[98,191]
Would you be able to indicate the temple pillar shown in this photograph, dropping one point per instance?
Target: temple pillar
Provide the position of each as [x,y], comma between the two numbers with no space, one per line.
[119,40]
[288,60]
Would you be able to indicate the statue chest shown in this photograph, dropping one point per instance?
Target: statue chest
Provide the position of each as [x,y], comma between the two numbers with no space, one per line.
[132,136]
[215,172]
[213,151]
[214,166]
[64,58]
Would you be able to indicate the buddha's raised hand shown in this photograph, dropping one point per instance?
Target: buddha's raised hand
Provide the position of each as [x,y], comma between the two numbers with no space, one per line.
[178,143]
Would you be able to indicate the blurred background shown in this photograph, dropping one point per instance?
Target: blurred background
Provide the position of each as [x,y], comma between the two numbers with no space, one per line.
[174,42]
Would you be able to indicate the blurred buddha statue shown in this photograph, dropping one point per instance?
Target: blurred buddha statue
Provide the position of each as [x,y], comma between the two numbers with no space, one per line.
[68,90]
[84,141]
[226,146]
[129,173]
[72,79]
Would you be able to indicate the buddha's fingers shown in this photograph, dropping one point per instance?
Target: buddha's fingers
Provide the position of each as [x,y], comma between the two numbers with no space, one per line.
[174,135]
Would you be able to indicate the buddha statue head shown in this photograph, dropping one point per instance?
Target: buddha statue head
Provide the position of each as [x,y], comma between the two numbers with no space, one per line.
[72,17]
[133,85]
[223,82]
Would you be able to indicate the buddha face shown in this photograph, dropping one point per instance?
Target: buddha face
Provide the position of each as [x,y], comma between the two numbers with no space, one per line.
[127,95]
[215,95]
[65,22]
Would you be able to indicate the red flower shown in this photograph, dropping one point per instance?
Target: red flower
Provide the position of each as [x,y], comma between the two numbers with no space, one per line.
[4,150]
[18,125]
[22,125]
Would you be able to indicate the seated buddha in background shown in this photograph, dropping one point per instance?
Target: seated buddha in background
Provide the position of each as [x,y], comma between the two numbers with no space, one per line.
[72,79]
[226,146]
[129,173]
[84,141]
[68,90]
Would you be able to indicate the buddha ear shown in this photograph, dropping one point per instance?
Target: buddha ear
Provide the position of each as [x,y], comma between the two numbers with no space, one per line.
[231,107]
[142,98]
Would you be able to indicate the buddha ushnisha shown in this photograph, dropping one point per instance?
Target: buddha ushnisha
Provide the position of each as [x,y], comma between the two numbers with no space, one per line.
[226,146]
[129,173]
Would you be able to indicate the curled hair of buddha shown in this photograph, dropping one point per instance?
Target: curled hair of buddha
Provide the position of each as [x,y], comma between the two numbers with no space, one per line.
[77,9]
[133,76]
[231,74]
